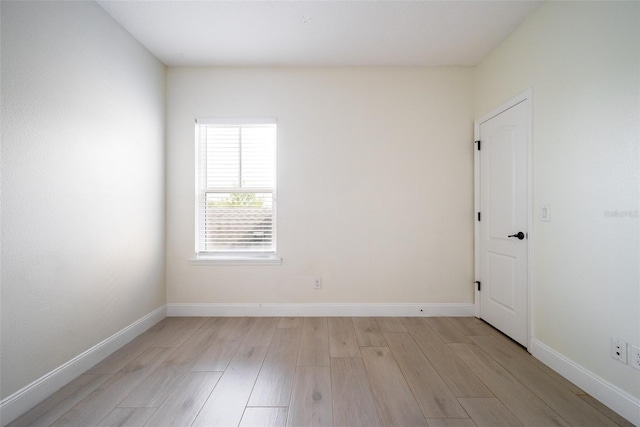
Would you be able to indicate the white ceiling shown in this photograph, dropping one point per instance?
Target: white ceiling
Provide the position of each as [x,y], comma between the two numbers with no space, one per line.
[319,33]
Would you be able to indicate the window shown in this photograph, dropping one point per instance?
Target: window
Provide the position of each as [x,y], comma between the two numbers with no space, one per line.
[236,171]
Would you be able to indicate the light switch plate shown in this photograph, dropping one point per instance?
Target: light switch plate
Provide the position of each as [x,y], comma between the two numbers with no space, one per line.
[545,213]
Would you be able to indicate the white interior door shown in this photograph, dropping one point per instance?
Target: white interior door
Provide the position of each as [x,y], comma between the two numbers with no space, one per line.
[503,225]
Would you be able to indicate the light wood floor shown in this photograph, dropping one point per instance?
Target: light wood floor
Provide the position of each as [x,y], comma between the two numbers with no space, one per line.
[320,372]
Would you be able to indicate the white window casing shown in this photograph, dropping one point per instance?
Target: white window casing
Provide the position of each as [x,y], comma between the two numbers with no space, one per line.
[235,191]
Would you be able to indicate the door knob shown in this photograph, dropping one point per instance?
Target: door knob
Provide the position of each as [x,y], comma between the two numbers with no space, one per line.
[519,235]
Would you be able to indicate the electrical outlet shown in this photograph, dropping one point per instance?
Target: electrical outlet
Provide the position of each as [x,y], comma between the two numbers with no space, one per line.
[317,283]
[619,350]
[634,356]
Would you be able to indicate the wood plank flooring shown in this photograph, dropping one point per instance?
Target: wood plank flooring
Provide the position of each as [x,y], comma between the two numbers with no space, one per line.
[320,372]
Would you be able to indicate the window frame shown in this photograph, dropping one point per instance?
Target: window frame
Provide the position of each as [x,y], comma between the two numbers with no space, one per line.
[249,257]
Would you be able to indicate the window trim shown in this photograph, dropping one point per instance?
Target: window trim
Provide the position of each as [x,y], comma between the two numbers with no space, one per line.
[245,259]
[240,257]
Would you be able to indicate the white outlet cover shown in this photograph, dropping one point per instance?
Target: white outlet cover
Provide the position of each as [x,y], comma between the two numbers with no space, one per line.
[634,356]
[619,350]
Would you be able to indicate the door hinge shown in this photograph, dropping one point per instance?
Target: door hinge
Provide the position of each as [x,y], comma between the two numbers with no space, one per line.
[478,142]
[478,216]
[479,284]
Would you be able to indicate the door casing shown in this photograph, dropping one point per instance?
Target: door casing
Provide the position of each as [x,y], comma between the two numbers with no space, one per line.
[528,94]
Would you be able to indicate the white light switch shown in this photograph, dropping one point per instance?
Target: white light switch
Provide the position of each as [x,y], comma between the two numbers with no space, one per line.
[545,213]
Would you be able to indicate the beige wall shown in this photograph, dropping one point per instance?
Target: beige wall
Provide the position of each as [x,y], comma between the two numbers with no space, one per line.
[582,60]
[82,184]
[375,185]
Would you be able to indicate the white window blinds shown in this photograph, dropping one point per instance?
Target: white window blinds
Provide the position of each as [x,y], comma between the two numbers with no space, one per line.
[236,186]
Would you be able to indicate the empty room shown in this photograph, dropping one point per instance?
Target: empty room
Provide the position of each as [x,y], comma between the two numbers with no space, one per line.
[320,213]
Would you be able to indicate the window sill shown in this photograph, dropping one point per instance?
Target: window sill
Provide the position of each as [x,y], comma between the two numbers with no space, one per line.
[235,260]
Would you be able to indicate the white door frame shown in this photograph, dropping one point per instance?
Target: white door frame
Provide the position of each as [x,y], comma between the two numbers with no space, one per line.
[528,94]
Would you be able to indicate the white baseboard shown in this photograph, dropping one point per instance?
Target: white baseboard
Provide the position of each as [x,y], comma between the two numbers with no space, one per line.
[614,397]
[316,310]
[26,398]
